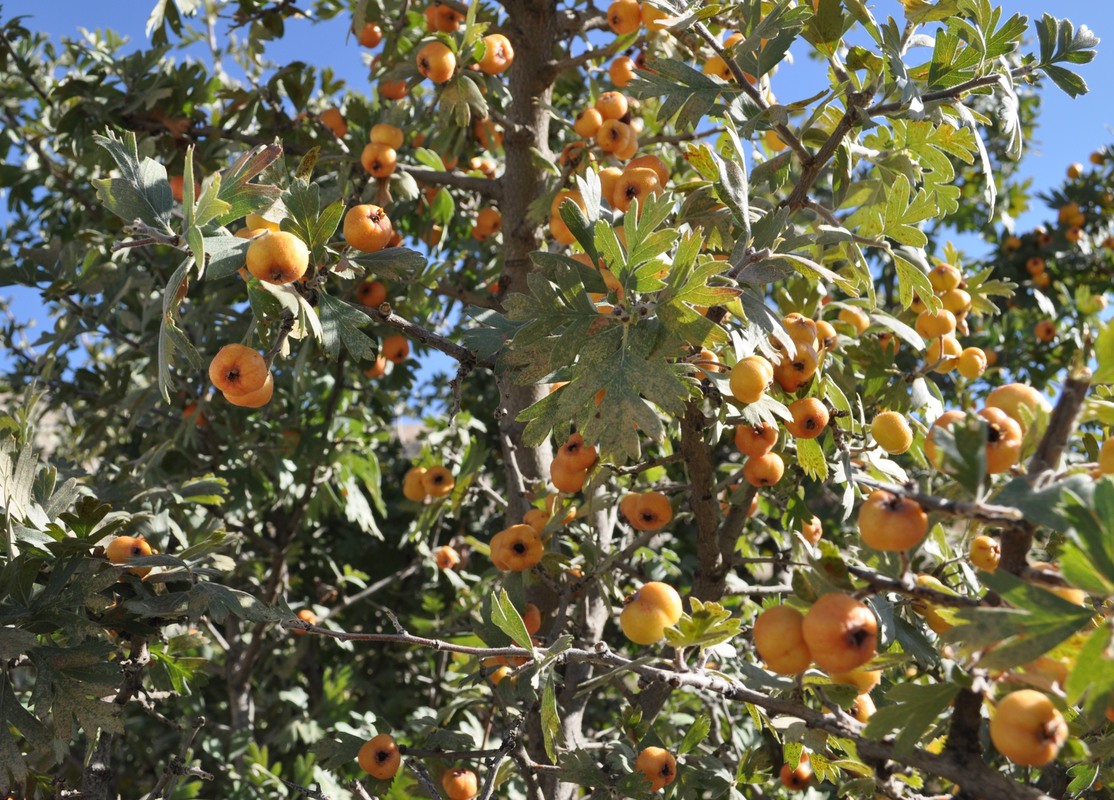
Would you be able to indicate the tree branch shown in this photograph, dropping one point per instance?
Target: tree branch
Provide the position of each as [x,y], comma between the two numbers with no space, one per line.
[488,187]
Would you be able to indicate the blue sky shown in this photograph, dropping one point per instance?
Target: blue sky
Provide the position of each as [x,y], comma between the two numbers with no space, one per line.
[1068,129]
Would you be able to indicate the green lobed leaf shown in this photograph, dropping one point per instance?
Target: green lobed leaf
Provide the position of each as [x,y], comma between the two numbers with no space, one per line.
[340,324]
[508,620]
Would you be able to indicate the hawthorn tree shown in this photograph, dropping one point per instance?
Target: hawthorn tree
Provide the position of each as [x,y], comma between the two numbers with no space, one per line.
[688,517]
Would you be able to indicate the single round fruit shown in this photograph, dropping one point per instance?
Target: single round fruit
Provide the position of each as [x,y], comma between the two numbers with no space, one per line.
[856,318]
[565,477]
[612,105]
[371,294]
[810,418]
[378,160]
[889,522]
[812,529]
[260,397]
[800,328]
[395,349]
[332,119]
[864,680]
[944,277]
[944,422]
[123,549]
[379,757]
[749,378]
[779,640]
[985,552]
[892,432]
[1003,440]
[306,616]
[446,557]
[498,54]
[622,71]
[390,135]
[649,611]
[413,488]
[657,764]
[624,16]
[238,370]
[972,363]
[636,183]
[532,619]
[519,547]
[367,228]
[438,481]
[460,784]
[841,633]
[796,779]
[792,374]
[649,512]
[764,470]
[758,440]
[1027,728]
[279,257]
[436,61]
[576,453]
[931,324]
[371,35]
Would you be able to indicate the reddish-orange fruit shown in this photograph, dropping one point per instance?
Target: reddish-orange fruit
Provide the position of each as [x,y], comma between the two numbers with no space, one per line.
[532,619]
[390,135]
[332,119]
[889,522]
[278,257]
[612,105]
[1003,440]
[440,18]
[438,481]
[622,71]
[764,470]
[796,779]
[460,784]
[238,370]
[371,294]
[656,763]
[578,454]
[436,61]
[393,90]
[1045,330]
[367,228]
[306,616]
[517,548]
[810,418]
[755,440]
[377,369]
[379,757]
[371,35]
[123,549]
[566,477]
[635,183]
[624,16]
[413,487]
[649,512]
[498,54]
[446,557]
[841,633]
[396,349]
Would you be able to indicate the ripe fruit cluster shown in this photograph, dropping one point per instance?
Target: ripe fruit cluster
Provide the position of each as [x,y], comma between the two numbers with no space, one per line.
[940,327]
[569,469]
[839,634]
[242,375]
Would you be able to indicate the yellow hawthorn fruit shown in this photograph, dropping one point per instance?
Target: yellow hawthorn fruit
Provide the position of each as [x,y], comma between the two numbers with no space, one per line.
[536,518]
[460,784]
[892,432]
[393,90]
[826,335]
[652,21]
[1075,170]
[796,779]
[488,223]
[812,529]
[810,418]
[1027,728]
[957,301]
[371,35]
[1013,396]
[624,16]
[1003,445]
[238,370]
[379,757]
[390,135]
[1069,593]
[1044,331]
[764,470]
[578,454]
[779,640]
[985,552]
[944,277]
[972,363]
[378,369]
[371,293]
[800,328]
[438,481]
[413,488]
[856,318]
[306,616]
[841,633]
[629,148]
[709,361]
[367,228]
[615,137]
[1106,457]
[650,161]
[931,324]
[634,184]
[943,354]
[587,125]
[517,548]
[657,764]
[565,477]
[436,61]
[889,522]
[248,233]
[498,54]
[279,257]
[257,222]
[863,708]
[756,440]
[649,611]
[612,106]
[332,119]
[446,557]
[621,71]
[749,378]
[864,680]
[717,67]
[378,160]
[123,549]
[650,511]
[260,397]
